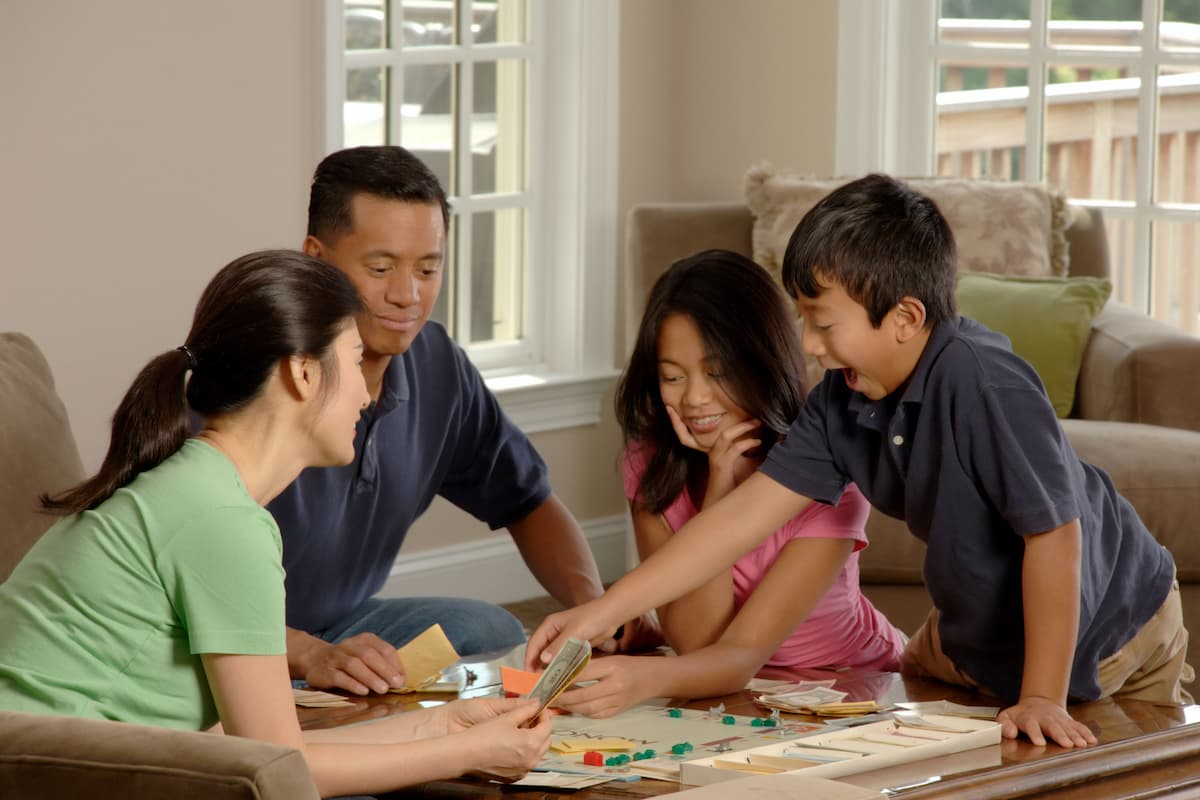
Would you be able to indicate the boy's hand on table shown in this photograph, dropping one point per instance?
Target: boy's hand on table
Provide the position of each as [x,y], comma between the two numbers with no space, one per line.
[1041,719]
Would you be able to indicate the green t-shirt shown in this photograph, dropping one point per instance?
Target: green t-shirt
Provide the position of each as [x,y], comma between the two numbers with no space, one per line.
[107,614]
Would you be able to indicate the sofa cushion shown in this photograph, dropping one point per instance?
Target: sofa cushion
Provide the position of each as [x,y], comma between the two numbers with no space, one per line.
[1048,321]
[39,449]
[1000,227]
[51,756]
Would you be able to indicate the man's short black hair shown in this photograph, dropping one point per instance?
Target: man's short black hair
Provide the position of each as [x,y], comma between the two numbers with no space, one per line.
[881,241]
[386,171]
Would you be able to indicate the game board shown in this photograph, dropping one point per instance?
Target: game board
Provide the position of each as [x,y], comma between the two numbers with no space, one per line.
[652,728]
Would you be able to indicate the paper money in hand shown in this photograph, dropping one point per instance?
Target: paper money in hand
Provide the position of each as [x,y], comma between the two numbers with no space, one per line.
[560,672]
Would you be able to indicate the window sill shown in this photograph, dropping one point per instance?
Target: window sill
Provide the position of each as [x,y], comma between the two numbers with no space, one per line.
[538,402]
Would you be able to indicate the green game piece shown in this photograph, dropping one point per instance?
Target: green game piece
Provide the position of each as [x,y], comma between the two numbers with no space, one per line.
[756,723]
[728,719]
[770,723]
[612,761]
[678,749]
[675,712]
[650,753]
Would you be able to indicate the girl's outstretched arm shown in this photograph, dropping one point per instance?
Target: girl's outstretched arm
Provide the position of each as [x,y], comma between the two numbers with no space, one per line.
[254,697]
[710,542]
[788,593]
[698,618]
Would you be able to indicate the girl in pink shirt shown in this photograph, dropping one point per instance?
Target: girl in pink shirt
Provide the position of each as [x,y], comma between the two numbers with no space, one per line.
[716,377]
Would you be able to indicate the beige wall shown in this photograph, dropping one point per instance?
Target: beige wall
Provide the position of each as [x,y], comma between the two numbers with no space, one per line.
[145,144]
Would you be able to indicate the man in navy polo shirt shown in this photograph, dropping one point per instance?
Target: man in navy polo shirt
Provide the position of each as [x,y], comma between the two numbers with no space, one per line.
[1046,585]
[433,428]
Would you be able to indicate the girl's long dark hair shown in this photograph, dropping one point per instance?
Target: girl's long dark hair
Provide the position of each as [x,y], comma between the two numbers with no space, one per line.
[257,311]
[749,329]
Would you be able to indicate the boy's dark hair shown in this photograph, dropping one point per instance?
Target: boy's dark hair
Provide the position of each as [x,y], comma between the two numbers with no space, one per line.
[386,171]
[748,328]
[881,241]
[257,311]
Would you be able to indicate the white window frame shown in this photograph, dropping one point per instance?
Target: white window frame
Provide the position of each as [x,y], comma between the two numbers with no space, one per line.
[557,375]
[886,111]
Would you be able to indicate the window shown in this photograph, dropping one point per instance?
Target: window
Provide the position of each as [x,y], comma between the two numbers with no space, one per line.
[1099,99]
[512,105]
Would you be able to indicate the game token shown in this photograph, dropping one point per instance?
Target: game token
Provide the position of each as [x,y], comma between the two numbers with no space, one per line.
[675,712]
[728,719]
[678,749]
[593,759]
[757,723]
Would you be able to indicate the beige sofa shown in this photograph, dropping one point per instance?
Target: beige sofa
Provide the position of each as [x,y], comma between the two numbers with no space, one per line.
[1137,413]
[46,756]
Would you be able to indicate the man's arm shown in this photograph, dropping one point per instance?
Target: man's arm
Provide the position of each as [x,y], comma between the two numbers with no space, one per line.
[555,551]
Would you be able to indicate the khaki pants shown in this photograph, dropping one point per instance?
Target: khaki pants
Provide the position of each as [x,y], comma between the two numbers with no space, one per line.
[1150,666]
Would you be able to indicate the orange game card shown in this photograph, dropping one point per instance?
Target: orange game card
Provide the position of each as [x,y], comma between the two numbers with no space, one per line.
[517,681]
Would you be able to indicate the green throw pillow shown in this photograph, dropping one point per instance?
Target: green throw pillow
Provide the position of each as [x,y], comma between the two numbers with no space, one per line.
[1048,321]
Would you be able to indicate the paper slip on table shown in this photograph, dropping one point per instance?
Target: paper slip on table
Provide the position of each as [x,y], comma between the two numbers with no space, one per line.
[1145,749]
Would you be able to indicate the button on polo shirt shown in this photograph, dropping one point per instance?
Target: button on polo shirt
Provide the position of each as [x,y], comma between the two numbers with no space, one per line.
[970,455]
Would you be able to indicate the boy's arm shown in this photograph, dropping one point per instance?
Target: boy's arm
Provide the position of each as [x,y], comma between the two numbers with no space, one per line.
[1050,594]
[712,541]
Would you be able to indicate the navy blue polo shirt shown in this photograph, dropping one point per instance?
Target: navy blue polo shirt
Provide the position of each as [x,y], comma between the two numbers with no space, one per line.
[970,454]
[435,430]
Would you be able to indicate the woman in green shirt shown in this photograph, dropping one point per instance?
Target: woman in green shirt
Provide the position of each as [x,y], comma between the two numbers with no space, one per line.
[158,597]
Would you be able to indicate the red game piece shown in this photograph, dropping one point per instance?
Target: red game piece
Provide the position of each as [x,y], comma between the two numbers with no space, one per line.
[593,759]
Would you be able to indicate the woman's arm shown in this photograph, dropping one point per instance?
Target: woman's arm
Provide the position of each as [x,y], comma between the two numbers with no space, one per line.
[697,618]
[254,697]
[788,593]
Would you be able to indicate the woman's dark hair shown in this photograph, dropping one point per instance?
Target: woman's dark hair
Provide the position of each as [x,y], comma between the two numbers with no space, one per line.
[882,241]
[257,311]
[748,328]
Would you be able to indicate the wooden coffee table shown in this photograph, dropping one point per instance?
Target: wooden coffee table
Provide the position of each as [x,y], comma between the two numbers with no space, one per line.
[1145,750]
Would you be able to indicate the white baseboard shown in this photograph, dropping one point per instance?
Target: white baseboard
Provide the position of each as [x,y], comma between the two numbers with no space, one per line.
[493,569]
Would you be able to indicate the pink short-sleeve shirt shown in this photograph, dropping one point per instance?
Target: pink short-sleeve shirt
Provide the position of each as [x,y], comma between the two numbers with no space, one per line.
[844,630]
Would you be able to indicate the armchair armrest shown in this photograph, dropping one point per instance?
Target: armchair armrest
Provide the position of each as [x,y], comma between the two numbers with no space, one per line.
[52,756]
[1131,371]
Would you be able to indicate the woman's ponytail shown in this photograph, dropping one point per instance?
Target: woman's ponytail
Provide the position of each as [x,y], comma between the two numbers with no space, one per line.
[150,424]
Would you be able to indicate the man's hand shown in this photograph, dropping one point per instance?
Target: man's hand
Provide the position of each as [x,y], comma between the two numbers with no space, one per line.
[361,664]
[1038,717]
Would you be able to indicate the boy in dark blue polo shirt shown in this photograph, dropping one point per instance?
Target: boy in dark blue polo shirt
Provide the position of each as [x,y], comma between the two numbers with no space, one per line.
[1046,584]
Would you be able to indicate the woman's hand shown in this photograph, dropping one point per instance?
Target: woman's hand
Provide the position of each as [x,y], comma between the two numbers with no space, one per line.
[500,748]
[463,714]
[621,681]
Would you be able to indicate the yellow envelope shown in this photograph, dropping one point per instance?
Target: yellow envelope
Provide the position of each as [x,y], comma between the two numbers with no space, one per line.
[425,657]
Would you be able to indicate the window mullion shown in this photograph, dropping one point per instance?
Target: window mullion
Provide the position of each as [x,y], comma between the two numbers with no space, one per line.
[464,103]
[1035,108]
[1148,137]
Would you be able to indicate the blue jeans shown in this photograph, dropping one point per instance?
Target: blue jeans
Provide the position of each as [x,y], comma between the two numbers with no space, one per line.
[472,626]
